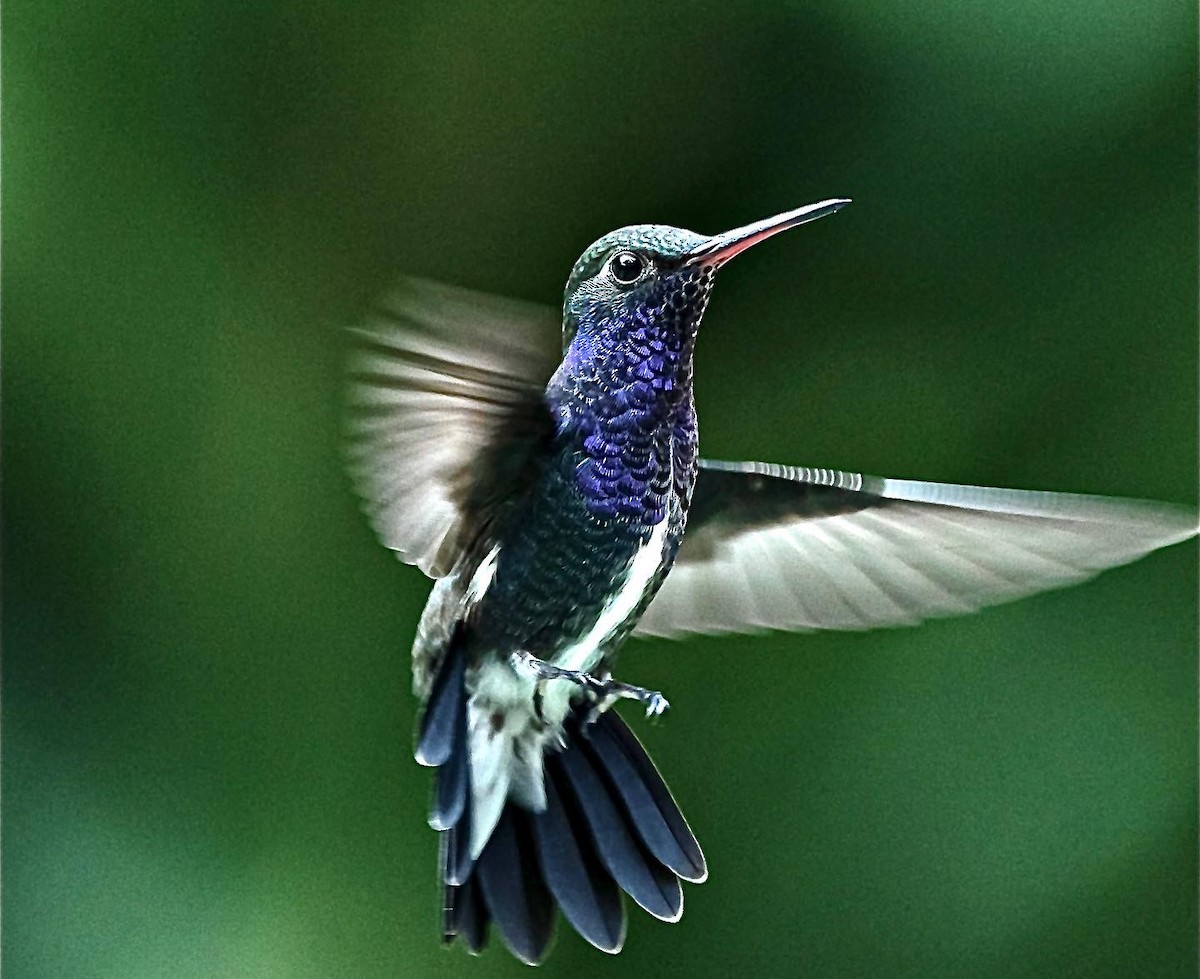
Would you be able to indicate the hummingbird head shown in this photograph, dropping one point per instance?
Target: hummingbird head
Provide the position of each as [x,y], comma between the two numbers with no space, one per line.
[650,283]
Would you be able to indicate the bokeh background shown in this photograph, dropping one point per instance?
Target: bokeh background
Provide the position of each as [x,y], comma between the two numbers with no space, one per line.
[206,710]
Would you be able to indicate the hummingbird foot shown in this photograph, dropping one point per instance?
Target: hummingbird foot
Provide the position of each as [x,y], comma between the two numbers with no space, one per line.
[604,690]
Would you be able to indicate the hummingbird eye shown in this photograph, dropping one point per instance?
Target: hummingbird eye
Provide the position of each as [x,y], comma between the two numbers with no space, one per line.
[626,267]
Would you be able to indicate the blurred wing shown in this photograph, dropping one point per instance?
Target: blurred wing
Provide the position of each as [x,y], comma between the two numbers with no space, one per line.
[782,547]
[446,414]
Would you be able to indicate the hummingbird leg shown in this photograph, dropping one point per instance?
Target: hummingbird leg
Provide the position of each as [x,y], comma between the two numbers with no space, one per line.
[656,703]
[604,690]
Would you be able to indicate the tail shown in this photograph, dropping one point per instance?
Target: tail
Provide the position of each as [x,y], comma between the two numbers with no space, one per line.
[609,825]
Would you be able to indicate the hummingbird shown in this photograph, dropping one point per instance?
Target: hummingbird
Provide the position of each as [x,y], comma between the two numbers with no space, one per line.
[556,495]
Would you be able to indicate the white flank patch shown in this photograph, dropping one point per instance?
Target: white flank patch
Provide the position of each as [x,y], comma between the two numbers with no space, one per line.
[481,580]
[583,654]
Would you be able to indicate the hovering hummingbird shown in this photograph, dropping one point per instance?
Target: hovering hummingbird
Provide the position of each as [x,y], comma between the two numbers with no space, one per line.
[562,506]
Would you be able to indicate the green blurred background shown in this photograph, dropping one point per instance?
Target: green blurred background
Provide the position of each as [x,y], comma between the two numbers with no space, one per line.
[207,717]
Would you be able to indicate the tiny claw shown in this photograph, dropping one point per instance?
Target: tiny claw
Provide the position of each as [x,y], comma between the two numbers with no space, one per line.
[656,705]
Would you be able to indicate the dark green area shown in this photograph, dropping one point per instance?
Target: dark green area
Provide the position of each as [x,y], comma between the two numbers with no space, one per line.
[207,720]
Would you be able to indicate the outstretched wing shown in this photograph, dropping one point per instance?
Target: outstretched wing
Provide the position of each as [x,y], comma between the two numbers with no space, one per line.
[446,414]
[782,547]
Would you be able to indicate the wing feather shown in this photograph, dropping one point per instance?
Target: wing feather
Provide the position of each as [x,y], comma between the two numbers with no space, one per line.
[446,414]
[783,547]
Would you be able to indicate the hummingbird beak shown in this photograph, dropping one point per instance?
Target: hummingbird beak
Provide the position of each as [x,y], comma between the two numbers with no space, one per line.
[719,249]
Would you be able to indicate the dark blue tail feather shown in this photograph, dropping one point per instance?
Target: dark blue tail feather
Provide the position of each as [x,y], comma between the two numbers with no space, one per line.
[440,729]
[645,797]
[588,896]
[648,882]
